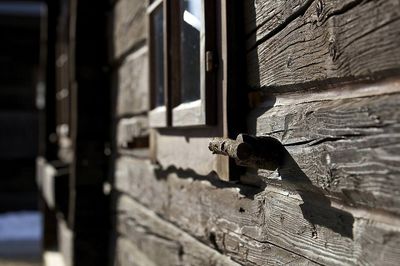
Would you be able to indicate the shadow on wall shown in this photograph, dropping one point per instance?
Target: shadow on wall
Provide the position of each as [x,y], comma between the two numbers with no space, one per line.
[316,207]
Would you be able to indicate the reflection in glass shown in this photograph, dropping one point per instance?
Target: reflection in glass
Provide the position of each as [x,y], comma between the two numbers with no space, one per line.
[191,26]
[158,55]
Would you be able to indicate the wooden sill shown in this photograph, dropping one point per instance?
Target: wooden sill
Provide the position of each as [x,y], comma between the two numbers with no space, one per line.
[158,117]
[188,114]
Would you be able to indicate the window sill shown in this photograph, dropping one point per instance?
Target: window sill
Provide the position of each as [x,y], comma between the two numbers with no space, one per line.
[158,117]
[188,114]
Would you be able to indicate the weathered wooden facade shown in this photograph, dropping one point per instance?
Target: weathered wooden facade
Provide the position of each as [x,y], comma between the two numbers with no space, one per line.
[125,170]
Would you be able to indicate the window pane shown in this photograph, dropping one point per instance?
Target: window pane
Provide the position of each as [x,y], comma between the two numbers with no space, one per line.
[158,55]
[190,49]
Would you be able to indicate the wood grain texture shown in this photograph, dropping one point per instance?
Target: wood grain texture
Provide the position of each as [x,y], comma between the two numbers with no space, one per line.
[129,26]
[140,153]
[189,114]
[188,151]
[158,117]
[264,16]
[348,148]
[131,131]
[254,222]
[162,242]
[128,254]
[293,42]
[132,84]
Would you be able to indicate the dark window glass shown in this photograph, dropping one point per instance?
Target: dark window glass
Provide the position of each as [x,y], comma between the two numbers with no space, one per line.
[190,49]
[158,55]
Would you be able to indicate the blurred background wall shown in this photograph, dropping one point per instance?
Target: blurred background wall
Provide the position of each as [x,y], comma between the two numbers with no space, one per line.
[19,58]
[20,220]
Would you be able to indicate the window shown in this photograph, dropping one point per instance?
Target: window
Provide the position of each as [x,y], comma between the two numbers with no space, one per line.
[197,55]
[157,39]
[182,55]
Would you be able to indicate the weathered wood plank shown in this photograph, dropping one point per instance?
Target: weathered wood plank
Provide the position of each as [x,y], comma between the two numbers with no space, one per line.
[129,172]
[162,242]
[127,254]
[140,153]
[340,91]
[349,148]
[210,209]
[190,151]
[264,17]
[133,132]
[132,84]
[129,26]
[308,41]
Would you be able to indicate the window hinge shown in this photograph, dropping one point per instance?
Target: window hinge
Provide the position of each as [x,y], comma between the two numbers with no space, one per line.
[209,61]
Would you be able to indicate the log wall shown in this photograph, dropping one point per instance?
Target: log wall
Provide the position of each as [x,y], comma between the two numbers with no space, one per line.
[322,78]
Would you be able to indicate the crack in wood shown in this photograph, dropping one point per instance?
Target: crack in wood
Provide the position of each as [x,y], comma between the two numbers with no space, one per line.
[280,27]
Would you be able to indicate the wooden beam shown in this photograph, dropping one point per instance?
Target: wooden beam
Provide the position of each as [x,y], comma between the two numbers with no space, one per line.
[316,41]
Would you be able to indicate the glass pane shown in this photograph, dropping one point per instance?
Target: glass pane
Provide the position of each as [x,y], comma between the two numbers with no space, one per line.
[191,26]
[158,55]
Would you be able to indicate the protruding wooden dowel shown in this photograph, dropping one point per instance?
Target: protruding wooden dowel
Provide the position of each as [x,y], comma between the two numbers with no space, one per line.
[249,151]
[232,148]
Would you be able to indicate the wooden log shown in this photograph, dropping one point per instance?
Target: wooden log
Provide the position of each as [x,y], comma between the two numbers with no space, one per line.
[315,41]
[132,85]
[129,26]
[249,151]
[162,242]
[313,227]
[133,132]
[190,151]
[348,148]
[264,17]
[127,254]
[232,148]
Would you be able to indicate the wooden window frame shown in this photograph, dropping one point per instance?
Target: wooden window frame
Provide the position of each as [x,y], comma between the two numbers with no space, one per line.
[225,108]
[201,112]
[159,116]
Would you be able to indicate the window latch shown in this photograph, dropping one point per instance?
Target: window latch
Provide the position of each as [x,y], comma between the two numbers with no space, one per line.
[250,151]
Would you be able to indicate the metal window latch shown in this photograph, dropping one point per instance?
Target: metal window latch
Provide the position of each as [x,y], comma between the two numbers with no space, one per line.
[250,151]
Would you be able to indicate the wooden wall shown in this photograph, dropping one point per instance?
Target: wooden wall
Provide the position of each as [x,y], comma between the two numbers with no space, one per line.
[322,78]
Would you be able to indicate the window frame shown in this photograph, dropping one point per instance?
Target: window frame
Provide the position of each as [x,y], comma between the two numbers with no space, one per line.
[228,104]
[201,112]
[159,116]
